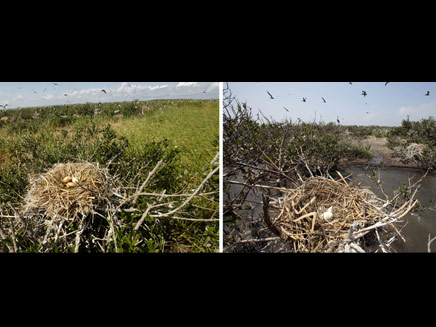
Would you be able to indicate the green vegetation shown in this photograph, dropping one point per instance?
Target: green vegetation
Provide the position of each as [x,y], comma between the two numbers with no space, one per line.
[129,139]
[312,148]
[423,131]
[365,131]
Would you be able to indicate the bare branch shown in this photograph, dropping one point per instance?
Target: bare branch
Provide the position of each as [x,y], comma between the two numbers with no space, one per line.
[429,243]
[150,175]
[192,195]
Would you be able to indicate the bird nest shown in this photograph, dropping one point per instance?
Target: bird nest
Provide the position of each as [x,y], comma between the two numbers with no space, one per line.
[67,201]
[325,215]
[68,191]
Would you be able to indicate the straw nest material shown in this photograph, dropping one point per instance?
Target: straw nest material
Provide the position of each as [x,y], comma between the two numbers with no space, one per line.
[67,191]
[301,216]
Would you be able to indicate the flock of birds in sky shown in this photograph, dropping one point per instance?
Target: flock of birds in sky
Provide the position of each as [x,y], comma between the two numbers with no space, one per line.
[324,100]
[66,94]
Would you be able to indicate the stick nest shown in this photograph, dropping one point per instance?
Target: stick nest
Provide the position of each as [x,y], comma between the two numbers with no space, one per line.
[50,195]
[356,212]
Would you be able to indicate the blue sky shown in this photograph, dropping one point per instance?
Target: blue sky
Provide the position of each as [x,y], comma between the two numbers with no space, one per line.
[383,105]
[29,94]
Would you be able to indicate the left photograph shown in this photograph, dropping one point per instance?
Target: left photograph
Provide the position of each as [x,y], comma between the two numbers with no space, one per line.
[109,167]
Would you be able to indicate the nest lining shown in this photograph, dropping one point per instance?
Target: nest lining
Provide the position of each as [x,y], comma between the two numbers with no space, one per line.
[50,196]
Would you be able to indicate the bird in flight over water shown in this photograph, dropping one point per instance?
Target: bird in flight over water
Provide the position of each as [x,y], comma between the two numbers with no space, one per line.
[304,99]
[270,95]
[323,100]
[364,93]
[427,94]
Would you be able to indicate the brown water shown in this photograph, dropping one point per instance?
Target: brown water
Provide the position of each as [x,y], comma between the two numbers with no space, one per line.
[417,226]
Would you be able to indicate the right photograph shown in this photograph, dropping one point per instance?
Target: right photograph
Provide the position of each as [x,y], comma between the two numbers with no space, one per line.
[329,167]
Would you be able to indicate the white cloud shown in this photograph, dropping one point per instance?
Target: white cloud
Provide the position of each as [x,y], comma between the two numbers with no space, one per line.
[213,86]
[187,84]
[415,113]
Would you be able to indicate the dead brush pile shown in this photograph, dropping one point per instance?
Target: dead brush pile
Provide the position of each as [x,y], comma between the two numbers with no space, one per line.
[326,215]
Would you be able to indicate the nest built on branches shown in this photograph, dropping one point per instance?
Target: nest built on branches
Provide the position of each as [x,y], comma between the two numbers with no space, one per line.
[76,207]
[62,203]
[326,215]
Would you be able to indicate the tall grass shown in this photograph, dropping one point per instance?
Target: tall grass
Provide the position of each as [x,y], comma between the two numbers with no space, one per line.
[192,127]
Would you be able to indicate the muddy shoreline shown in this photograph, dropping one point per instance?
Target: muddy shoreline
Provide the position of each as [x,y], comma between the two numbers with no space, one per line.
[385,157]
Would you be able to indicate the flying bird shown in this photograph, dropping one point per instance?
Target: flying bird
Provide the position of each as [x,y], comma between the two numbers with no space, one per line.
[270,95]
[286,109]
[323,100]
[55,84]
[364,93]
[304,99]
[350,83]
[104,91]
[337,119]
[427,94]
[387,83]
[65,94]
